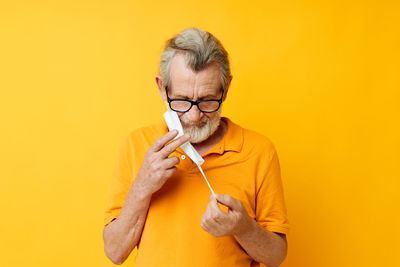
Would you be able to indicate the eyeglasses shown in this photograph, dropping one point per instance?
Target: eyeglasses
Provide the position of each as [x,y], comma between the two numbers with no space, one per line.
[184,105]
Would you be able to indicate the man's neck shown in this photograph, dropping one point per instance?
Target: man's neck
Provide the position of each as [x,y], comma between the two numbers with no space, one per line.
[217,136]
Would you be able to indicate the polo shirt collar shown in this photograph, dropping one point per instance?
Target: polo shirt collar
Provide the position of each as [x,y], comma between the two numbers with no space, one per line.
[232,140]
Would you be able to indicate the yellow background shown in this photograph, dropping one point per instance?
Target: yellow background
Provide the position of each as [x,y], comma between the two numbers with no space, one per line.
[319,78]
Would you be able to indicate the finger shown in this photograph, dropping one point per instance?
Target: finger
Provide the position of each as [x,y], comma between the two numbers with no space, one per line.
[216,212]
[168,149]
[212,226]
[170,172]
[208,223]
[204,225]
[159,144]
[170,162]
[212,213]
[229,201]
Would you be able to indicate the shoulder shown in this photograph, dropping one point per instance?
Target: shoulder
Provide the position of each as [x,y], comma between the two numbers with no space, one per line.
[255,143]
[257,140]
[258,145]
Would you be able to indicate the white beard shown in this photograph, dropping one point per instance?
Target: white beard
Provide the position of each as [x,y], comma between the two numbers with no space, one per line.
[202,130]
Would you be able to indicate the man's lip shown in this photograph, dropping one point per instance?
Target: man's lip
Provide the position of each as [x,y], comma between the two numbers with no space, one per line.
[196,125]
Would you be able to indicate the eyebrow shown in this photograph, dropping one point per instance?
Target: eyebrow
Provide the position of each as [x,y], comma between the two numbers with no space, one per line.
[206,96]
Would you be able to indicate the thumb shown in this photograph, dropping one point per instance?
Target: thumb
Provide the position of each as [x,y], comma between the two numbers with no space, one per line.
[226,200]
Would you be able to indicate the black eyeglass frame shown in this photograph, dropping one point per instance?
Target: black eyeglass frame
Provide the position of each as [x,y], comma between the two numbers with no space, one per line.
[194,102]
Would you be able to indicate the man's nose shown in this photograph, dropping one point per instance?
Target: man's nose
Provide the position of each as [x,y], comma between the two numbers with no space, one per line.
[194,114]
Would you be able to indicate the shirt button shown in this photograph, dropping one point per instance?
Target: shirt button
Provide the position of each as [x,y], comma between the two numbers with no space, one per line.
[183,157]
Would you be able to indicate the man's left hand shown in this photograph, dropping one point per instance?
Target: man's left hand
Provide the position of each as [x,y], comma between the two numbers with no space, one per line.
[218,223]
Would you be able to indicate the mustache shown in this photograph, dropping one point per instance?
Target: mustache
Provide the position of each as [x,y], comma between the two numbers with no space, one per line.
[194,124]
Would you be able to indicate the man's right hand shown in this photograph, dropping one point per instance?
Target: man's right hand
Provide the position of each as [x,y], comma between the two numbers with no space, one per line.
[157,167]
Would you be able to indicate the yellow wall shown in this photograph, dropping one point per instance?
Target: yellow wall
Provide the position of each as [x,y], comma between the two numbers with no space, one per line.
[319,78]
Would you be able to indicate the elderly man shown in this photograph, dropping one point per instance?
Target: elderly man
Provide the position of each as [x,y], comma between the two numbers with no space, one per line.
[159,201]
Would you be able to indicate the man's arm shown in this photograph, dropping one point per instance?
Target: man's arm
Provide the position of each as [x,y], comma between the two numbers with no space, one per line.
[122,235]
[262,245]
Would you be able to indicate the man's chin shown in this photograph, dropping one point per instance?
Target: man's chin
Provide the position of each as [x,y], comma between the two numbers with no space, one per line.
[202,132]
[198,138]
[195,137]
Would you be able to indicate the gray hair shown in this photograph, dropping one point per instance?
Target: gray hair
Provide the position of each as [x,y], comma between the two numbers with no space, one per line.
[200,48]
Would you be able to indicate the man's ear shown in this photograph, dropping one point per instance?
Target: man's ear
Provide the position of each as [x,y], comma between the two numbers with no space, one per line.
[227,87]
[160,87]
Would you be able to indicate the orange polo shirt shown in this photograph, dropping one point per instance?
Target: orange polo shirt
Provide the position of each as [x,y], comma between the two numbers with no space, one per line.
[244,165]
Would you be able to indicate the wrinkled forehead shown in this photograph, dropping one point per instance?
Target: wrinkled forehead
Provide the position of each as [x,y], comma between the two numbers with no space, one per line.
[186,82]
[194,93]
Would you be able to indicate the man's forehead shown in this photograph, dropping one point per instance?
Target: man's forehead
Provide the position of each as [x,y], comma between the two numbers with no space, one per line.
[186,82]
[189,92]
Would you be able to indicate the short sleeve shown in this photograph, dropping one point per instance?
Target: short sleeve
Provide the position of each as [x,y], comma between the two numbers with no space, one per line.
[271,210]
[120,182]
